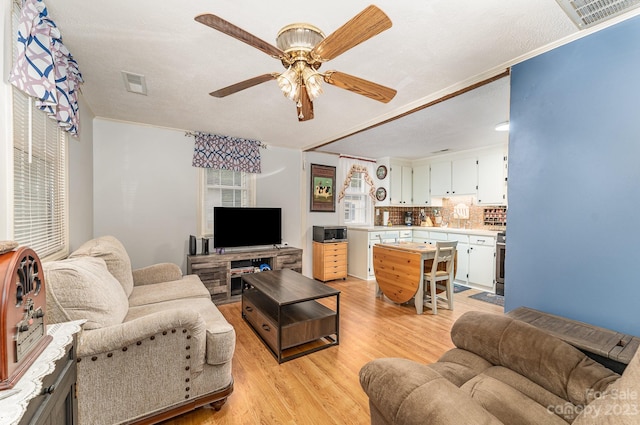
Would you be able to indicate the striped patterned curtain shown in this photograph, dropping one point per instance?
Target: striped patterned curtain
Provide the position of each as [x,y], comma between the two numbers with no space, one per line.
[44,68]
[226,153]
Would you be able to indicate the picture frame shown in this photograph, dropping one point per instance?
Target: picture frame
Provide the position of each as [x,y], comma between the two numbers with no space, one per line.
[323,188]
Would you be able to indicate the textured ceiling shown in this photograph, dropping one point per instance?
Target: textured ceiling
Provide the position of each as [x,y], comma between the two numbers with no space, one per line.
[434,48]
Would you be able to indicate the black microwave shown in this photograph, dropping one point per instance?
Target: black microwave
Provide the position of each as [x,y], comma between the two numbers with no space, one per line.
[329,233]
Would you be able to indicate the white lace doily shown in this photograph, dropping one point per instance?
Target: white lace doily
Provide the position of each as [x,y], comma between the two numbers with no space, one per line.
[14,401]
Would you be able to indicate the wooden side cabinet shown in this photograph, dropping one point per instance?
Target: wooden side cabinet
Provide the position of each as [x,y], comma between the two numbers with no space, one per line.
[56,404]
[222,273]
[329,261]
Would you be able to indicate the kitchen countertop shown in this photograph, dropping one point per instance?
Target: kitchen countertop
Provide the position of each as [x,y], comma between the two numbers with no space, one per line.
[479,232]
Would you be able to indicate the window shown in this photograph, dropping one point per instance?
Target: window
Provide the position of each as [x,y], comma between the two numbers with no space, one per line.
[223,188]
[39,177]
[357,202]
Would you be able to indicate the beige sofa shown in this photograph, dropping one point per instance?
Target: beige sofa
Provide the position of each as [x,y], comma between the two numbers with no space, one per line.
[502,371]
[153,345]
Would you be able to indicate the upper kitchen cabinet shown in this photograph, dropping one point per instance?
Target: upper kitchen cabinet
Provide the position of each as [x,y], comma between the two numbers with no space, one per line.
[421,194]
[457,177]
[401,183]
[441,178]
[492,173]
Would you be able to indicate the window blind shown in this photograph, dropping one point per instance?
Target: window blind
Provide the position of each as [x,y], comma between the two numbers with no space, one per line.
[39,177]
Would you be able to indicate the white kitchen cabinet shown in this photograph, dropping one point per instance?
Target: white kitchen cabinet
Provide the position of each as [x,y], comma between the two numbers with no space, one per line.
[358,253]
[464,176]
[492,187]
[437,236]
[405,236]
[441,178]
[401,184]
[360,250]
[421,195]
[457,177]
[386,236]
[482,253]
[420,236]
[462,264]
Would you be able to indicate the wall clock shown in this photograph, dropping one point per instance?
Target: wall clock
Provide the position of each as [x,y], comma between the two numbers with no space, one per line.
[381,194]
[381,172]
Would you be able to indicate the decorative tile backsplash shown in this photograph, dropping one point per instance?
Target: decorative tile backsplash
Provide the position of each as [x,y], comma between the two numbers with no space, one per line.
[480,217]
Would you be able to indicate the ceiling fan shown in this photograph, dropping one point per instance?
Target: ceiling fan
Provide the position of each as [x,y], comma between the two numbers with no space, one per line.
[302,48]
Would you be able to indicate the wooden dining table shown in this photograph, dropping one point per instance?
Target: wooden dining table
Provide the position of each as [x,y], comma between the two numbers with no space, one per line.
[399,270]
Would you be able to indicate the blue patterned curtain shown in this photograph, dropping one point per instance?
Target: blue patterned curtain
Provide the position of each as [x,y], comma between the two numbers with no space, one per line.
[44,68]
[226,153]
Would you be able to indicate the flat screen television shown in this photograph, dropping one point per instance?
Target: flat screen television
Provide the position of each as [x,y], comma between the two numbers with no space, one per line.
[246,226]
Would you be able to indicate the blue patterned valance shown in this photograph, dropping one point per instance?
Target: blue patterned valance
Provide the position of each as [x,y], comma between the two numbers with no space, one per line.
[226,153]
[44,68]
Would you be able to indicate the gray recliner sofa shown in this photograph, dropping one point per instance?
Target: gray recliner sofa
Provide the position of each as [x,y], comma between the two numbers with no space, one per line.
[502,371]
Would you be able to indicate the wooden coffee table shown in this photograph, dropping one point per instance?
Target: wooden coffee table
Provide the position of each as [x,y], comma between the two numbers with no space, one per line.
[282,308]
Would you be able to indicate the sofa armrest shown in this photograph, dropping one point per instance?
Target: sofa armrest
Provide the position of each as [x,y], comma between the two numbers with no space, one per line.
[156,273]
[408,393]
[118,337]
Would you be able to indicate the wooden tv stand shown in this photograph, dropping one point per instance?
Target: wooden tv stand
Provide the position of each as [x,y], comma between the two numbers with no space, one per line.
[222,273]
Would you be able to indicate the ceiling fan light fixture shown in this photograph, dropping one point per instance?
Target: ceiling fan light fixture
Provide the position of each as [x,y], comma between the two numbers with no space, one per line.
[296,37]
[288,83]
[312,81]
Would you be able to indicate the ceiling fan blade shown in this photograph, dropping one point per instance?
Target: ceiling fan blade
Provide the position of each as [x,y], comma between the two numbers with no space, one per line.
[234,88]
[305,111]
[228,28]
[366,24]
[358,85]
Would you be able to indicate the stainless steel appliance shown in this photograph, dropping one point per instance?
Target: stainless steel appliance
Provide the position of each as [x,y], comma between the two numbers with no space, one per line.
[501,242]
[408,218]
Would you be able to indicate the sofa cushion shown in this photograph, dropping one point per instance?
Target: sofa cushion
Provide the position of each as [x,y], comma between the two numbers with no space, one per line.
[83,288]
[190,286]
[410,393]
[507,404]
[535,392]
[619,404]
[114,254]
[459,366]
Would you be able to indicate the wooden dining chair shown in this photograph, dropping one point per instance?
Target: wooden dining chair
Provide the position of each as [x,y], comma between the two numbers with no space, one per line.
[440,276]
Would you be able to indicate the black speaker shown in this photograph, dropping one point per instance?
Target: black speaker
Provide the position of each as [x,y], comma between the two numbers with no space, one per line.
[192,245]
[205,246]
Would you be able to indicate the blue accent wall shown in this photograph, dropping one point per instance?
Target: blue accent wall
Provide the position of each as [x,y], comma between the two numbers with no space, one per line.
[573,230]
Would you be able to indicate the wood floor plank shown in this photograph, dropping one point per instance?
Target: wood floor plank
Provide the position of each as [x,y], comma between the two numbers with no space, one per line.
[323,387]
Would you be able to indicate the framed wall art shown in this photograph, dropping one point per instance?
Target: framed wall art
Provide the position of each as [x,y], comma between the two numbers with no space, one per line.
[323,184]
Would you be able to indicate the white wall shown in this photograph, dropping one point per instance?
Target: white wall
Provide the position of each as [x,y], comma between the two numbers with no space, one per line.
[145,190]
[80,151]
[279,185]
[315,218]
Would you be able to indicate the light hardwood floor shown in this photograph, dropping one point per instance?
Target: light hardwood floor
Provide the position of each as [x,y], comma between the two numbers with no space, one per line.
[323,387]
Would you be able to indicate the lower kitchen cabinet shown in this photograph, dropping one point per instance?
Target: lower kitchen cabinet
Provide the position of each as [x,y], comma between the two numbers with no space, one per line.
[475,257]
[482,257]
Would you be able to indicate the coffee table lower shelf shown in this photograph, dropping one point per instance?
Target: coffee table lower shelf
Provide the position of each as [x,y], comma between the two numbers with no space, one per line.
[285,327]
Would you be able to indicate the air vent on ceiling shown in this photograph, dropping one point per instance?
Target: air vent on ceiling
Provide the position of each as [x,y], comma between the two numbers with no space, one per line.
[134,83]
[441,151]
[586,13]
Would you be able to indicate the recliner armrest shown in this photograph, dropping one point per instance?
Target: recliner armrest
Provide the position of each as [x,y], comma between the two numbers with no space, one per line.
[407,393]
[156,273]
